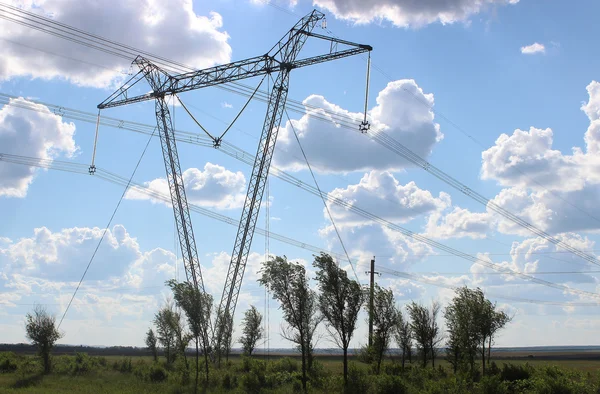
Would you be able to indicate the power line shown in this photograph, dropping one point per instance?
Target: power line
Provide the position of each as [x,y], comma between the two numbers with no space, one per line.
[103,174]
[106,229]
[312,174]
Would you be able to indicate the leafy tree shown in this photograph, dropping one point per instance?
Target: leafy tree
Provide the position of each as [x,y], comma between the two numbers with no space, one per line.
[197,307]
[340,301]
[385,318]
[435,336]
[472,322]
[425,329]
[164,321]
[41,330]
[463,321]
[225,328]
[298,302]
[151,343]
[403,336]
[252,330]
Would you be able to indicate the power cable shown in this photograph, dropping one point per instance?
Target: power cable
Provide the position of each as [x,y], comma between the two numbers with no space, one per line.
[103,174]
[321,194]
[106,229]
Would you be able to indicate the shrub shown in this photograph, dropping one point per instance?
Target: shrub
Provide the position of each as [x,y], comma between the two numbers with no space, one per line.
[81,363]
[229,381]
[251,383]
[157,373]
[388,384]
[123,366]
[285,364]
[391,368]
[8,362]
[511,372]
[492,385]
[358,381]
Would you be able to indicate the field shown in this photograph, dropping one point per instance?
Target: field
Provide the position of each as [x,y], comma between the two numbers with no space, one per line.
[74,374]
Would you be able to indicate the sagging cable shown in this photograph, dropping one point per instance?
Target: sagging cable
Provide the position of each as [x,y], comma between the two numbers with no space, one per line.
[194,119]
[218,140]
[322,197]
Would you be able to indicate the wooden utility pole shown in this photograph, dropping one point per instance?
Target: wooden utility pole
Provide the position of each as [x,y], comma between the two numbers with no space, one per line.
[372,272]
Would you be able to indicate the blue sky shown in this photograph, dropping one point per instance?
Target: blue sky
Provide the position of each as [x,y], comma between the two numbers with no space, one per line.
[499,94]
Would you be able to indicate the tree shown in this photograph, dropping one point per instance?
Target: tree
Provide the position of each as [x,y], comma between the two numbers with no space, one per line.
[298,302]
[425,329]
[340,301]
[41,330]
[463,316]
[385,318]
[403,335]
[225,326]
[197,307]
[252,330]
[435,336]
[472,322]
[165,320]
[151,343]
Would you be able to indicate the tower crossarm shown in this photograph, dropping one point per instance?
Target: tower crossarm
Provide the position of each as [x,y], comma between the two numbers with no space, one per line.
[276,60]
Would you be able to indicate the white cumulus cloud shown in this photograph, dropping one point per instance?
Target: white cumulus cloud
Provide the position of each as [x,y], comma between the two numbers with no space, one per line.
[533,49]
[409,13]
[403,111]
[212,187]
[170,29]
[40,134]
[380,193]
[555,191]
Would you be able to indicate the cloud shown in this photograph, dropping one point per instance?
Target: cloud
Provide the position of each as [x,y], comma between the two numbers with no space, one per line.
[458,223]
[552,190]
[533,49]
[171,29]
[403,110]
[39,134]
[380,193]
[408,13]
[213,187]
[534,255]
[65,254]
[225,104]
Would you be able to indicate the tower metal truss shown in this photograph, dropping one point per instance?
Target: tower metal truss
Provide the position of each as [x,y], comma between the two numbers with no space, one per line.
[281,59]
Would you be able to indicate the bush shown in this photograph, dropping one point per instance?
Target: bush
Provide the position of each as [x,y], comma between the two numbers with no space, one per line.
[251,383]
[511,372]
[285,364]
[229,381]
[358,381]
[388,384]
[157,373]
[492,385]
[123,366]
[81,363]
[8,362]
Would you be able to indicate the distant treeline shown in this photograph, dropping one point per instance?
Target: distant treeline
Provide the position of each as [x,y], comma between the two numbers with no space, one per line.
[23,348]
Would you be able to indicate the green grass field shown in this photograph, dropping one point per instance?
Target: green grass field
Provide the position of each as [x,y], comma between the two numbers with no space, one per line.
[116,374]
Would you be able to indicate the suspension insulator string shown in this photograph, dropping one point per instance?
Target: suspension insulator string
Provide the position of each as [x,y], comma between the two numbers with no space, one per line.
[365,126]
[92,169]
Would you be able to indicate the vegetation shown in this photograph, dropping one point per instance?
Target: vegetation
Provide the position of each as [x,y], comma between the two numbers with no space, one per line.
[252,330]
[41,330]
[289,284]
[340,300]
[81,373]
[385,319]
[471,321]
[196,306]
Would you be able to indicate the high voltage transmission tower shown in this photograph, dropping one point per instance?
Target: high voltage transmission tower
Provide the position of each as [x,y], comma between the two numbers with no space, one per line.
[280,60]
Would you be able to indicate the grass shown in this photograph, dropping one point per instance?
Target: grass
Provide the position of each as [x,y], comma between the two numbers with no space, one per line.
[117,374]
